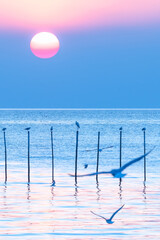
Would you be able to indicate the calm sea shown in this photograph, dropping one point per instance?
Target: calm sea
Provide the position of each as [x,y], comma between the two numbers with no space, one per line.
[39,211]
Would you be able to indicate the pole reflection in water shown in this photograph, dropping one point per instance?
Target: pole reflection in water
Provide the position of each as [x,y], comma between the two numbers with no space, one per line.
[98,191]
[29,205]
[52,193]
[4,206]
[144,190]
[76,202]
[76,191]
[28,192]
[120,189]
[5,195]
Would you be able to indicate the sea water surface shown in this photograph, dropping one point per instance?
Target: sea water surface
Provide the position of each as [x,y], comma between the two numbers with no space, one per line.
[39,211]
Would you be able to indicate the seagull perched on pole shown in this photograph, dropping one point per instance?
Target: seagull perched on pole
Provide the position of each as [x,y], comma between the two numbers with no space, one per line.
[109,221]
[4,129]
[117,173]
[143,129]
[120,128]
[27,128]
[77,124]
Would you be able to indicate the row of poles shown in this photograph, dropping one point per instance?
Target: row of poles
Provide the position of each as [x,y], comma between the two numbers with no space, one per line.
[98,151]
[28,162]
[76,153]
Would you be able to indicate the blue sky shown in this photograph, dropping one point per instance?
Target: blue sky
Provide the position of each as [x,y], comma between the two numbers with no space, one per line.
[95,68]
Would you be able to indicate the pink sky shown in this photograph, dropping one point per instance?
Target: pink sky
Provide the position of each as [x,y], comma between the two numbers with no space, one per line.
[71,14]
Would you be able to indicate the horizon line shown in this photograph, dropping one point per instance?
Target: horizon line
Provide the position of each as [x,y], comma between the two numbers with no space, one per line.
[74,109]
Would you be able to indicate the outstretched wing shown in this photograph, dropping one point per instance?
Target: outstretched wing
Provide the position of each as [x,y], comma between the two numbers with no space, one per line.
[115,213]
[107,147]
[89,174]
[133,161]
[99,215]
[94,149]
[90,150]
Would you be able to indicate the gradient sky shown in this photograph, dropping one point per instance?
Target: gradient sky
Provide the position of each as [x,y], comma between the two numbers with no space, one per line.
[109,54]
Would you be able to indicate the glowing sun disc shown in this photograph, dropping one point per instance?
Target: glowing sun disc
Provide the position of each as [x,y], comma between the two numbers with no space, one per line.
[44,45]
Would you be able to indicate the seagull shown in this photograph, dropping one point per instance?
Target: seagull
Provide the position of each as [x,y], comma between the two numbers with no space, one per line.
[109,221]
[100,150]
[4,129]
[120,128]
[51,128]
[117,173]
[77,124]
[143,129]
[27,128]
[85,165]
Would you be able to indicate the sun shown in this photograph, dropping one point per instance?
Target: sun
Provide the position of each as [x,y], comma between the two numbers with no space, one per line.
[44,45]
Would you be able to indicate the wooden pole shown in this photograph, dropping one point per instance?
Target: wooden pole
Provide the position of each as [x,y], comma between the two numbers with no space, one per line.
[53,181]
[28,156]
[120,153]
[5,149]
[144,138]
[97,156]
[76,156]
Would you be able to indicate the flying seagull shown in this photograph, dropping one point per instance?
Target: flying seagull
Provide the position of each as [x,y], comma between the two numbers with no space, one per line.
[77,124]
[117,173]
[100,150]
[109,221]
[27,128]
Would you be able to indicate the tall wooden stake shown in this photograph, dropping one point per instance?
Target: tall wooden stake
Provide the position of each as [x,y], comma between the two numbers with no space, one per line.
[76,156]
[144,138]
[120,152]
[28,156]
[27,129]
[53,181]
[5,149]
[97,156]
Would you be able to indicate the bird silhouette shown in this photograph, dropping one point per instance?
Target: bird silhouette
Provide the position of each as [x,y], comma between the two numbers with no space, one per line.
[109,221]
[4,129]
[51,128]
[143,129]
[120,128]
[85,165]
[27,128]
[77,124]
[117,173]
